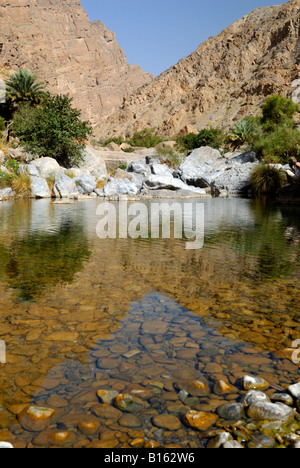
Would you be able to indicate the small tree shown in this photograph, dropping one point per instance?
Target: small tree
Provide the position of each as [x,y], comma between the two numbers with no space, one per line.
[53,129]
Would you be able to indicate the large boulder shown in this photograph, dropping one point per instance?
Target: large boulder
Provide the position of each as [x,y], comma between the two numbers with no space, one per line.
[234,180]
[93,164]
[65,187]
[168,182]
[201,163]
[47,167]
[86,184]
[229,174]
[39,187]
[140,168]
[116,187]
[161,169]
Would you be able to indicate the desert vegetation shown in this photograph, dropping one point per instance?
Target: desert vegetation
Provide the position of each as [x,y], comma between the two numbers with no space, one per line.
[43,124]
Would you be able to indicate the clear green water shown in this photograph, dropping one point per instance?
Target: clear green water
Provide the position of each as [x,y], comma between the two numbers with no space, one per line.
[79,314]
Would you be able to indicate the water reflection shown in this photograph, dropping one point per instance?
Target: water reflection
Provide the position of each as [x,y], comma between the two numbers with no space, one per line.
[84,299]
[48,249]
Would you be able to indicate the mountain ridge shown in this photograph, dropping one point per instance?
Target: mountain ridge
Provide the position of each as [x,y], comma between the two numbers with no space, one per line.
[226,78]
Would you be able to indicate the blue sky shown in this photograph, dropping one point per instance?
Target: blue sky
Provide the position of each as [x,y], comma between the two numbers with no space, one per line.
[156,34]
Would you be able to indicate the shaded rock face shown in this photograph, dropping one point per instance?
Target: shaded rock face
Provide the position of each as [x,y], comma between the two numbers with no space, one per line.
[226,78]
[56,40]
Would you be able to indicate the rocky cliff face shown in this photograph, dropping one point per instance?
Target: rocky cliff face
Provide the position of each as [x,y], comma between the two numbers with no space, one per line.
[226,78]
[56,40]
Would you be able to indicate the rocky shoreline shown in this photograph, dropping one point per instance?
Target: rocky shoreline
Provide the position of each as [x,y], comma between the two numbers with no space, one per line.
[112,174]
[141,174]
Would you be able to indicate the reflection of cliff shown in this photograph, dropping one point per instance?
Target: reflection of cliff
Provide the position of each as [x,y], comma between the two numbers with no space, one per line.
[56,40]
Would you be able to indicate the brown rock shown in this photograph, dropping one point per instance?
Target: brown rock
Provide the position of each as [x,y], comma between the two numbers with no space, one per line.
[167,421]
[89,426]
[36,418]
[200,420]
[130,420]
[63,336]
[106,412]
[52,438]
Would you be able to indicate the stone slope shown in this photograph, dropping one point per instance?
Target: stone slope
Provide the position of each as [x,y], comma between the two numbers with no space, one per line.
[56,40]
[226,78]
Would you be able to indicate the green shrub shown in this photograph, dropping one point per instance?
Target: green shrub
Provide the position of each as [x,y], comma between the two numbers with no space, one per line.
[117,140]
[266,180]
[212,137]
[53,129]
[278,145]
[5,180]
[147,138]
[278,110]
[169,156]
[2,124]
[10,177]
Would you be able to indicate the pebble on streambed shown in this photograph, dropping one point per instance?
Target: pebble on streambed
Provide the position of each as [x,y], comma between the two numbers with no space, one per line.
[130,419]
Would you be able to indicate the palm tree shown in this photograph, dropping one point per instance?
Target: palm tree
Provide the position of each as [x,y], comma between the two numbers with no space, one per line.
[22,87]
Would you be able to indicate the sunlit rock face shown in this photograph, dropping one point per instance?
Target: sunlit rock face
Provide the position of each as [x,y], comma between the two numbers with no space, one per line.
[56,40]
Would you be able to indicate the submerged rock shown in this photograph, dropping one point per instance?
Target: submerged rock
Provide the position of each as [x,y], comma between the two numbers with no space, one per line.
[200,420]
[231,411]
[129,403]
[254,383]
[270,411]
[167,421]
[36,418]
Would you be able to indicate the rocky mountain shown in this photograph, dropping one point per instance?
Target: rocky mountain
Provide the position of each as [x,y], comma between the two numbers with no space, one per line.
[56,40]
[226,78]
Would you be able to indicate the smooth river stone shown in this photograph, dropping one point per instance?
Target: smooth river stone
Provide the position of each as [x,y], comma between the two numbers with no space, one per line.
[55,438]
[36,418]
[270,412]
[129,403]
[130,420]
[254,383]
[167,421]
[155,327]
[63,336]
[200,420]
